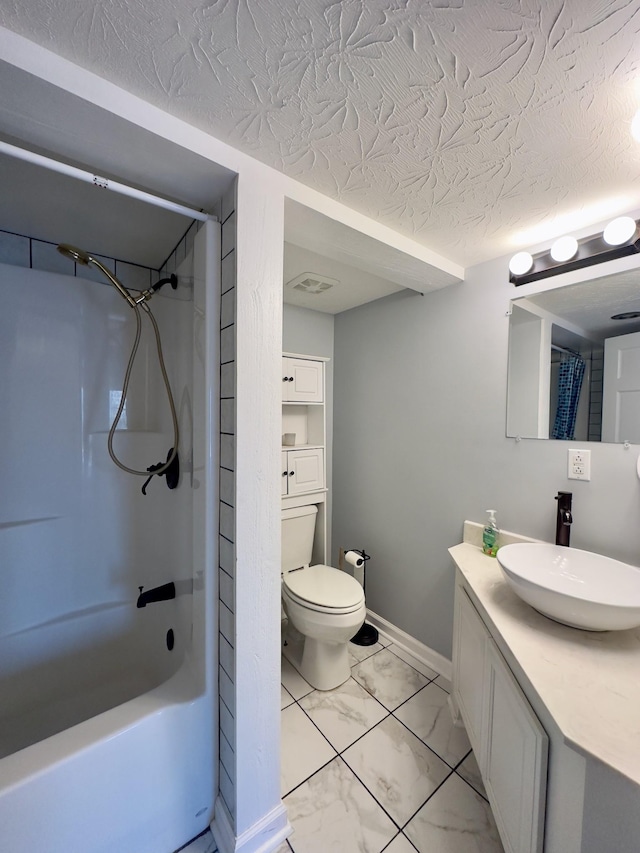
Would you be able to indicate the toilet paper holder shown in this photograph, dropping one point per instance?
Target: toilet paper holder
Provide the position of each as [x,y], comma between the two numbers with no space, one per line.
[367,635]
[362,555]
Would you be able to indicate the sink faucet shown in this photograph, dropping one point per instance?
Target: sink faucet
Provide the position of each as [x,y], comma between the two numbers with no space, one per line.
[564,519]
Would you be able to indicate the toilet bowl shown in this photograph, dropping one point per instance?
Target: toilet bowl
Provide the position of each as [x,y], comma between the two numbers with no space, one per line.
[326,606]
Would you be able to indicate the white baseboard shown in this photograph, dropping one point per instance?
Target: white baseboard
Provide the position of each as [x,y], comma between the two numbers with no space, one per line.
[265,836]
[424,654]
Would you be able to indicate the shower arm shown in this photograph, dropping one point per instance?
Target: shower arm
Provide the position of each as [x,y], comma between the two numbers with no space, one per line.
[146,295]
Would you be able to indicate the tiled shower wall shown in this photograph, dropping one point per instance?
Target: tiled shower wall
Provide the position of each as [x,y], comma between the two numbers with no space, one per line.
[227,501]
[595,398]
[21,251]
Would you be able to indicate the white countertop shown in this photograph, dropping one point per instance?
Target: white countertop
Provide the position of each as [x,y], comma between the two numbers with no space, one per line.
[588,681]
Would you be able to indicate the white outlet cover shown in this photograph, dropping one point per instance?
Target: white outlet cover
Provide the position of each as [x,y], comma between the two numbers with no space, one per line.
[578,464]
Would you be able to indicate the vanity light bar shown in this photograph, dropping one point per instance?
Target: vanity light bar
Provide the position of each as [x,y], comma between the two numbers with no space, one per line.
[590,251]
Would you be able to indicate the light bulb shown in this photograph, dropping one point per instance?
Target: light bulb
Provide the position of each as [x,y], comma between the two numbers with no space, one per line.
[619,231]
[520,263]
[564,249]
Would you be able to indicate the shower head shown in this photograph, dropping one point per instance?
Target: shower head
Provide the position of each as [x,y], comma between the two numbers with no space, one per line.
[75,254]
[84,258]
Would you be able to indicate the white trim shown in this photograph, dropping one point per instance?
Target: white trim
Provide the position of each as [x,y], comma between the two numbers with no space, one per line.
[307,357]
[424,654]
[265,836]
[222,829]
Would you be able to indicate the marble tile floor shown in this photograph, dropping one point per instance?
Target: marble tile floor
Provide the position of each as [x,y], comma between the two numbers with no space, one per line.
[377,764]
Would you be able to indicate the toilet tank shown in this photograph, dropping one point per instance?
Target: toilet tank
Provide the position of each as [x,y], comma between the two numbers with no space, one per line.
[298,527]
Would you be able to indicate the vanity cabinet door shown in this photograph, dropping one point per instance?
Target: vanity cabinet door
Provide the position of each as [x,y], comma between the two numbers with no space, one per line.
[515,758]
[469,641]
[302,380]
[285,474]
[305,471]
[510,745]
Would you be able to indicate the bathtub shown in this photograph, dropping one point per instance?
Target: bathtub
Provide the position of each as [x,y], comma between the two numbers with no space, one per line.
[102,743]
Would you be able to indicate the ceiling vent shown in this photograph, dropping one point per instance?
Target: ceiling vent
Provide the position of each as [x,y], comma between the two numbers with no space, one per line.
[312,283]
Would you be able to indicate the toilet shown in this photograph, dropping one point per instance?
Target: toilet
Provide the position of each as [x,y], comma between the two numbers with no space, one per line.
[324,605]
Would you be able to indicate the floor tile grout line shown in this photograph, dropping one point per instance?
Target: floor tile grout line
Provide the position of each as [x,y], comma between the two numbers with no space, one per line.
[390,712]
[310,776]
[452,772]
[413,667]
[351,770]
[413,846]
[370,792]
[340,756]
[421,674]
[452,769]
[424,743]
[432,794]
[384,708]
[448,766]
[473,788]
[317,727]
[364,686]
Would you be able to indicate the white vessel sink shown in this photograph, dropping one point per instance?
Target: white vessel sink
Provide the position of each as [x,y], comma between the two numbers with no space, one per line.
[578,588]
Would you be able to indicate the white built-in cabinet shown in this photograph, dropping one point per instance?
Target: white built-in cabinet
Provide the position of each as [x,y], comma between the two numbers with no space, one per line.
[509,742]
[304,465]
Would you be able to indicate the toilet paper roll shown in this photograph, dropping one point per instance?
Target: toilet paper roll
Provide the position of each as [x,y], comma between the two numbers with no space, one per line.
[357,561]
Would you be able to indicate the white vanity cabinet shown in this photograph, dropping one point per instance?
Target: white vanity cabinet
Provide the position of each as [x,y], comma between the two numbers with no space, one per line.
[509,742]
[304,464]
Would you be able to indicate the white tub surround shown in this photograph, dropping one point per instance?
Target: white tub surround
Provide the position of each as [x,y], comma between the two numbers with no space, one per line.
[107,710]
[583,688]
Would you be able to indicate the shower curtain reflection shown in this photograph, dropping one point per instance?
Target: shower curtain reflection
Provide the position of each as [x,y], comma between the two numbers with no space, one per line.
[570,376]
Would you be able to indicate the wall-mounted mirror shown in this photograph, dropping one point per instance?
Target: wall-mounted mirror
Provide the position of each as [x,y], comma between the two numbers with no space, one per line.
[574,372]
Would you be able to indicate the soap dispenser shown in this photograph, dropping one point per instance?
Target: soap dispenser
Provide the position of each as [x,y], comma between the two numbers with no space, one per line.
[490,535]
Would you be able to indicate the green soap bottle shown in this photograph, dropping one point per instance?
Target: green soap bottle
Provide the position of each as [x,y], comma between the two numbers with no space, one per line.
[490,535]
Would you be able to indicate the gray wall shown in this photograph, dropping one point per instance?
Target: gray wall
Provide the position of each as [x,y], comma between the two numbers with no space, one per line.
[419,445]
[311,333]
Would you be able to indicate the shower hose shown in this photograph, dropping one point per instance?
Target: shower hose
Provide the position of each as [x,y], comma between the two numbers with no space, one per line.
[125,388]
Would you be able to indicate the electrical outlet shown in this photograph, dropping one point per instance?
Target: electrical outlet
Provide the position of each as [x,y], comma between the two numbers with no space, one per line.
[579,467]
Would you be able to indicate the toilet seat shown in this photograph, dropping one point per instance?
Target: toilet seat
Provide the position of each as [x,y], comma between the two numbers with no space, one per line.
[324,589]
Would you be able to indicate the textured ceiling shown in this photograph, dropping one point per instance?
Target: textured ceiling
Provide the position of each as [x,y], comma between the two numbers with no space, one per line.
[456,122]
